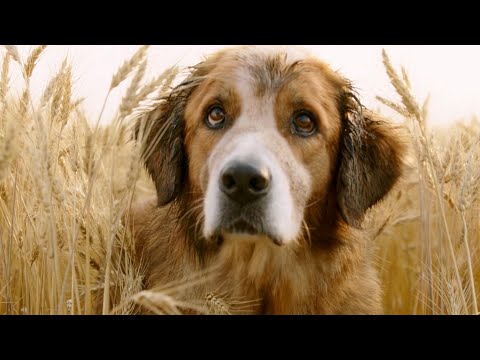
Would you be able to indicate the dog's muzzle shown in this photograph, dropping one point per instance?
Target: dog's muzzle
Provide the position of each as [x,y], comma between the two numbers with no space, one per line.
[248,194]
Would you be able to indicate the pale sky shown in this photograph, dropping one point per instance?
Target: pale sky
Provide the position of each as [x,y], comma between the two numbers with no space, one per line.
[451,74]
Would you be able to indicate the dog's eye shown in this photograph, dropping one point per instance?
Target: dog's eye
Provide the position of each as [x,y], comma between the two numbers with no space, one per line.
[303,124]
[216,117]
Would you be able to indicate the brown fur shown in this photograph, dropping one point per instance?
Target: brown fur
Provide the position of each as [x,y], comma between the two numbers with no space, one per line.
[353,163]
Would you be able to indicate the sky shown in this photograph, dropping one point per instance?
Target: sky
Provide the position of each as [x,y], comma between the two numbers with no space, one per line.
[450,74]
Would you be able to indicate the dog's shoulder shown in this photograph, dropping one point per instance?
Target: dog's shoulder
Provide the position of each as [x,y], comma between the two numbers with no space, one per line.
[141,220]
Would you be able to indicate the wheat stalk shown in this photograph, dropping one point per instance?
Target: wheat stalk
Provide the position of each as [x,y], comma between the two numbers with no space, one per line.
[127,67]
[13,51]
[216,305]
[32,60]
[166,78]
[157,302]
[394,106]
[53,84]
[66,106]
[128,103]
[410,105]
[4,79]
[401,88]
[8,148]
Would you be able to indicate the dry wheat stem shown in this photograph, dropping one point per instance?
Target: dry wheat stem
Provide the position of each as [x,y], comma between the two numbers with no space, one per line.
[407,98]
[54,240]
[13,52]
[128,100]
[32,60]
[10,241]
[106,291]
[53,84]
[393,106]
[127,67]
[469,263]
[4,81]
[8,149]
[444,220]
[412,108]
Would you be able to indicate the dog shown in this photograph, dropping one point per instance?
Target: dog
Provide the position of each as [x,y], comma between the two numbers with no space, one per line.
[265,163]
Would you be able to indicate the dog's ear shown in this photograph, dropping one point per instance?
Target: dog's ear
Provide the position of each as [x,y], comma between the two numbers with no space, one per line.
[371,159]
[161,132]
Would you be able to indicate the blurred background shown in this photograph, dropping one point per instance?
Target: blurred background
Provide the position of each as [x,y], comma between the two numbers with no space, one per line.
[450,74]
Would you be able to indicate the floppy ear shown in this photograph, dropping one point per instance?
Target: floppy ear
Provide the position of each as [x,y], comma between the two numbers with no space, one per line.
[371,159]
[161,132]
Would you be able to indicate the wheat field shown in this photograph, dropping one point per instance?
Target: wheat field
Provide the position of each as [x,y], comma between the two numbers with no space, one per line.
[65,182]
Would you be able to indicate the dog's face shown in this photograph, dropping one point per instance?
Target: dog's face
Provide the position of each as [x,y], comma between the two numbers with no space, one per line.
[260,135]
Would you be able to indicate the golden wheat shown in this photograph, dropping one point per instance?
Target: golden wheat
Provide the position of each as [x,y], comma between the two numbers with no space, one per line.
[65,182]
[127,67]
[32,59]
[127,104]
[431,264]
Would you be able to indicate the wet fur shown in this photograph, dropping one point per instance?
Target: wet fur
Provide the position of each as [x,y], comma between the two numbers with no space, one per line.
[329,270]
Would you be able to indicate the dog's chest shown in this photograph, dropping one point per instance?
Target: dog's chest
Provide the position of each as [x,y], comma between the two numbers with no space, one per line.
[257,276]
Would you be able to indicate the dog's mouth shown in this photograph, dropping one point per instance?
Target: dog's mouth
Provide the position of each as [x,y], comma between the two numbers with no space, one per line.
[242,226]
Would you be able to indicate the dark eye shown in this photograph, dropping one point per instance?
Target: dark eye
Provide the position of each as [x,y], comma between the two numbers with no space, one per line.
[216,117]
[303,124]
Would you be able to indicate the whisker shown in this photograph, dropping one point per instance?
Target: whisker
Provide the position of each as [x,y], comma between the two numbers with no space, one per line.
[313,203]
[189,212]
[307,229]
[198,223]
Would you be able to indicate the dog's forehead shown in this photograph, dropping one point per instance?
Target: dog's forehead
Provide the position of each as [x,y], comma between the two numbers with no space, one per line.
[255,55]
[264,67]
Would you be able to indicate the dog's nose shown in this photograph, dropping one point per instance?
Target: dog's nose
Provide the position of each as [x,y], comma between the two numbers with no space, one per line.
[245,183]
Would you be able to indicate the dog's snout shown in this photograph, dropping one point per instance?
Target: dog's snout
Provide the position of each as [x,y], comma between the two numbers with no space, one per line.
[245,183]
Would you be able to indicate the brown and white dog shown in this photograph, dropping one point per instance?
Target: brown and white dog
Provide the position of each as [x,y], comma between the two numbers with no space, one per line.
[265,163]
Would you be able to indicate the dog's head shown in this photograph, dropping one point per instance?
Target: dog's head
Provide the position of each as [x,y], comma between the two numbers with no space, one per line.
[260,135]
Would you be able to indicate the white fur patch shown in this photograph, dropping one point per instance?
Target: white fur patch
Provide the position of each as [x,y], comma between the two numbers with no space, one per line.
[249,139]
